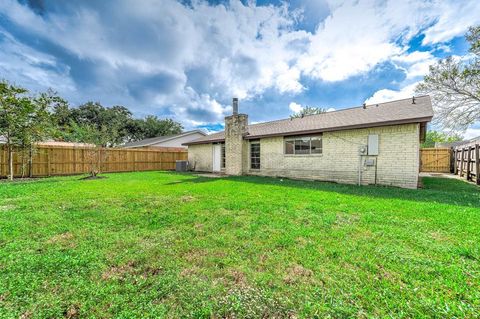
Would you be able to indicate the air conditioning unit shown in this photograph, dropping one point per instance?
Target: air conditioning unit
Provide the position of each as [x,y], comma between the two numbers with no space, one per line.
[181,166]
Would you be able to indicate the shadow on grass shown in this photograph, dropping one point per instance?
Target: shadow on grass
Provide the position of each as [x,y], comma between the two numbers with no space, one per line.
[435,190]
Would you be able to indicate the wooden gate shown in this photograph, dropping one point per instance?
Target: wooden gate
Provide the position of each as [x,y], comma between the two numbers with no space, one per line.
[436,160]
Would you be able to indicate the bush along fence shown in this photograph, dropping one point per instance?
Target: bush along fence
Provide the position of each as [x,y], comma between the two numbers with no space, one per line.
[466,160]
[51,161]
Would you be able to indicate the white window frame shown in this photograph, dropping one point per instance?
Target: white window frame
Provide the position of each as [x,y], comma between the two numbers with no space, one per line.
[250,155]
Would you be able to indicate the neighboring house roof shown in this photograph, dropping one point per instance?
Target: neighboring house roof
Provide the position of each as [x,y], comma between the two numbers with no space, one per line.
[389,113]
[159,139]
[471,141]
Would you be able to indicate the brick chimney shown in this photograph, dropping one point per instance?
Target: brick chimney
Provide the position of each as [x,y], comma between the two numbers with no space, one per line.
[235,145]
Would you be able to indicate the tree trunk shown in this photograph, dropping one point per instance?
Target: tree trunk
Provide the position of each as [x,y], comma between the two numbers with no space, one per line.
[10,162]
[30,162]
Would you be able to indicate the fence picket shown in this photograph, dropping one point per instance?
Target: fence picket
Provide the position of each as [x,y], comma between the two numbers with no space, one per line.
[58,160]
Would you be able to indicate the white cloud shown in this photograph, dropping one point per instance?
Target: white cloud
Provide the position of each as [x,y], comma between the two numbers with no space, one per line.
[471,133]
[415,64]
[186,60]
[386,95]
[452,19]
[331,109]
[357,35]
[24,66]
[295,107]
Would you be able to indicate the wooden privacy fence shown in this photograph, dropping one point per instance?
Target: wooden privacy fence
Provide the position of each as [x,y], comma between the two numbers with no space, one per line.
[435,160]
[467,162]
[49,161]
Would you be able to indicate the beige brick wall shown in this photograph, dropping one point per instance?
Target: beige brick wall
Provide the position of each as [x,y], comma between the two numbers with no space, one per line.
[397,162]
[235,145]
[200,157]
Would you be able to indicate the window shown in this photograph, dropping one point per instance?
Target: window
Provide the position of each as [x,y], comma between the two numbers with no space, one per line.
[223,156]
[303,145]
[255,155]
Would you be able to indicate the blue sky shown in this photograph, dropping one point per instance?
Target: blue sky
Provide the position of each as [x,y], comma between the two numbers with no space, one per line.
[187,59]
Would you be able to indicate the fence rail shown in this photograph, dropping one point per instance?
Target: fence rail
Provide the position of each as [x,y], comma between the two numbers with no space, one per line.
[467,162]
[50,161]
[435,160]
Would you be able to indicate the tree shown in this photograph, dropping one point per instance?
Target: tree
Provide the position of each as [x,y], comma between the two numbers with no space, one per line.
[454,86]
[433,137]
[40,126]
[152,126]
[117,121]
[308,110]
[114,120]
[24,121]
[14,112]
[89,133]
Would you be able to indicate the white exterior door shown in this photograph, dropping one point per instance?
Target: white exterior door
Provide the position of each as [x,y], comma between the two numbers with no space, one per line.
[217,157]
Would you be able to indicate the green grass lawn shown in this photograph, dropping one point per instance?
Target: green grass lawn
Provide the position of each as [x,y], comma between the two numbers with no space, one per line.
[157,244]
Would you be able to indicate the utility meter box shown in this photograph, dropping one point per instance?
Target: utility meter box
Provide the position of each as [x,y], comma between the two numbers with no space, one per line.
[373,144]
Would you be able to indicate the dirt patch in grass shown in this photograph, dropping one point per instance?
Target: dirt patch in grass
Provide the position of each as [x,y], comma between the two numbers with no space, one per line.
[344,219]
[439,236]
[119,272]
[130,268]
[238,278]
[189,272]
[297,274]
[151,271]
[64,239]
[187,198]
[72,312]
[196,256]
[6,208]
[251,302]
[26,315]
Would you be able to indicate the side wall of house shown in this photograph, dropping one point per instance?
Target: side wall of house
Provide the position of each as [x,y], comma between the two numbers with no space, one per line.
[397,163]
[200,157]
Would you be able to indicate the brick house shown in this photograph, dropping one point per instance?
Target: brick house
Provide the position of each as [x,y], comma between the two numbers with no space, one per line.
[370,144]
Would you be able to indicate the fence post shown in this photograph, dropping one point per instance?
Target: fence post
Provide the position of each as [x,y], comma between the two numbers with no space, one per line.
[135,161]
[2,159]
[48,161]
[469,158]
[455,169]
[461,161]
[74,160]
[477,163]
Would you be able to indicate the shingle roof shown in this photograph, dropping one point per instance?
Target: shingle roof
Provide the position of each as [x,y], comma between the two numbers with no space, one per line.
[155,140]
[389,113]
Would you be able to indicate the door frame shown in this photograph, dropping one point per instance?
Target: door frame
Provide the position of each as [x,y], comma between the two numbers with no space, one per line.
[216,158]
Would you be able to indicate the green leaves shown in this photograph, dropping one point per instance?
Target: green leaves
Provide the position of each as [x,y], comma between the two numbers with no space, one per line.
[308,110]
[439,137]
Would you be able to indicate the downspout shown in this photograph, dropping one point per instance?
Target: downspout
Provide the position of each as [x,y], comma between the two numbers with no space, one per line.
[359,169]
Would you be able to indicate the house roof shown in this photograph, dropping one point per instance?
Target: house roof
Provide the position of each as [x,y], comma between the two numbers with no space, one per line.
[155,140]
[389,113]
[468,142]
